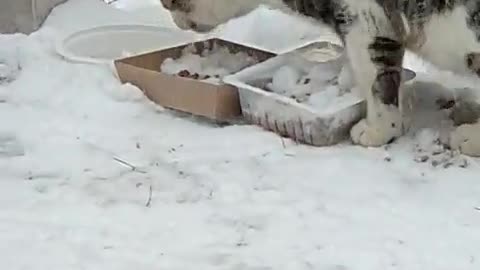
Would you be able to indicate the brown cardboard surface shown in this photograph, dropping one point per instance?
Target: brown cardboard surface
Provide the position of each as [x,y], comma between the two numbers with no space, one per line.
[218,102]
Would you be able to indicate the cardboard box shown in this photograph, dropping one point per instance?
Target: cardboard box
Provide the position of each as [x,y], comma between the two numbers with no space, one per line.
[24,16]
[218,102]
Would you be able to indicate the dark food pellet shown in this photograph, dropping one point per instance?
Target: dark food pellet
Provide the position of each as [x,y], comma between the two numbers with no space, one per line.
[464,164]
[445,104]
[423,159]
[447,165]
[184,73]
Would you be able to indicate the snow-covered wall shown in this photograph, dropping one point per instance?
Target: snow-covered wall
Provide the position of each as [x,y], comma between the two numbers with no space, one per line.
[24,16]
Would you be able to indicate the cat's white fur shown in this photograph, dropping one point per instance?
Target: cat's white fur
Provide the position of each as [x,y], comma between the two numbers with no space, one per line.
[211,13]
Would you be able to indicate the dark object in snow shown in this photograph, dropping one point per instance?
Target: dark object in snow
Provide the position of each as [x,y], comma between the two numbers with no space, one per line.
[8,72]
[422,159]
[149,200]
[444,104]
[184,73]
[465,112]
[464,164]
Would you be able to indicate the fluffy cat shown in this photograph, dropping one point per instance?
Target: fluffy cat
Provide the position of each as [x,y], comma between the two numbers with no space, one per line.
[375,34]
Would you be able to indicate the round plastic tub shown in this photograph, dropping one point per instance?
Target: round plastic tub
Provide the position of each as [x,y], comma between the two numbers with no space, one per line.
[104,44]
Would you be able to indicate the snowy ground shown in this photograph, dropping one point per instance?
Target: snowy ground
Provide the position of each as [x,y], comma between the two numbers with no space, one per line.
[235,198]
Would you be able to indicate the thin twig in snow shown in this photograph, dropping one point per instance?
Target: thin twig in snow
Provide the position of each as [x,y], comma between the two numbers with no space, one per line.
[133,168]
[149,201]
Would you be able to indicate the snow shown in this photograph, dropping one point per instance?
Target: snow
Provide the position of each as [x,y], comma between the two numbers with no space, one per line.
[275,89]
[315,85]
[9,66]
[285,79]
[332,97]
[234,197]
[210,65]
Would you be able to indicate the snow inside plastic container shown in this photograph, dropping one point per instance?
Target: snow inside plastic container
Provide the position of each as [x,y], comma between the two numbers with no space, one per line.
[321,116]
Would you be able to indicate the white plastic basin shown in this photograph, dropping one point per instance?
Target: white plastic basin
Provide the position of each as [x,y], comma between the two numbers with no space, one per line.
[104,44]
